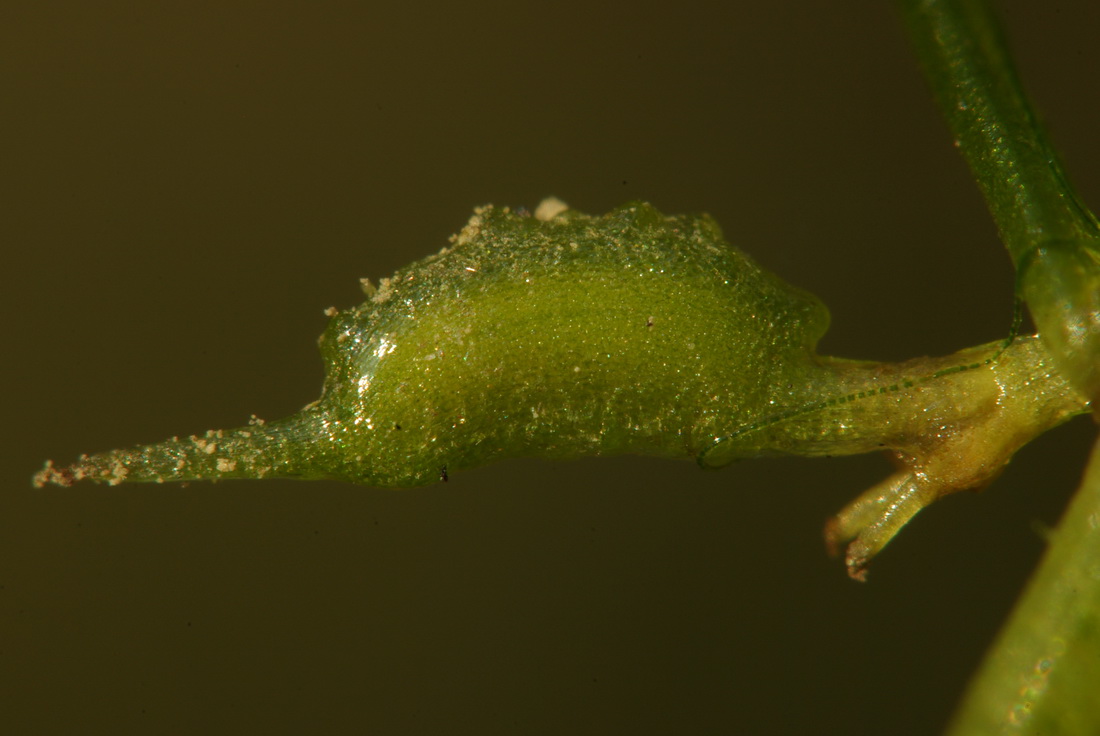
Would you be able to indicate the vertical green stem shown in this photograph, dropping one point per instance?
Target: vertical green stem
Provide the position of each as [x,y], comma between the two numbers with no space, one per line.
[967,62]
[1043,674]
[1053,239]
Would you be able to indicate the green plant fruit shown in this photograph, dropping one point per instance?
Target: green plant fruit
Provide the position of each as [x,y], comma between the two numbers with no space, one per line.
[563,335]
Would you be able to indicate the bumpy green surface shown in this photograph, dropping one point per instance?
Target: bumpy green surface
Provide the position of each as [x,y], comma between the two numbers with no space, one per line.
[631,332]
[562,337]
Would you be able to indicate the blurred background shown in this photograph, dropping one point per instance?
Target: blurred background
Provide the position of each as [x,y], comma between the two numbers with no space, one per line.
[185,187]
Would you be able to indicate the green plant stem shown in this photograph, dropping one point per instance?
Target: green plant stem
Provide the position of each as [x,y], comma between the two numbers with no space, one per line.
[1042,675]
[972,76]
[1053,239]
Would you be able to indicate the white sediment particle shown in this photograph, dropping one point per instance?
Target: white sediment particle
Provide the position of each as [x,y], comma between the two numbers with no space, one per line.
[472,228]
[385,347]
[385,288]
[211,448]
[48,474]
[331,312]
[367,287]
[225,466]
[118,473]
[256,421]
[550,208]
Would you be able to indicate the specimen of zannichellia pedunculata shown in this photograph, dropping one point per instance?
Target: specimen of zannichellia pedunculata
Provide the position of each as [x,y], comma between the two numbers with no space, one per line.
[563,335]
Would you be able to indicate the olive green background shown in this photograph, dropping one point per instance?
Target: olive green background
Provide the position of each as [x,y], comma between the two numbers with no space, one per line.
[185,187]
